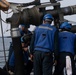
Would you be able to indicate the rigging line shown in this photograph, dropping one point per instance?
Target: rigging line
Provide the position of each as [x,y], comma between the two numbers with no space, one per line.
[8,12]
[3,42]
[3,20]
[17,20]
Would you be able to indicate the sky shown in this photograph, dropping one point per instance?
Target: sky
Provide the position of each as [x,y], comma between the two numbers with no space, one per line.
[64,3]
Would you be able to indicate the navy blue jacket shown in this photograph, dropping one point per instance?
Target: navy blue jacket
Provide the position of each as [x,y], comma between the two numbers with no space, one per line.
[44,39]
[25,55]
[66,41]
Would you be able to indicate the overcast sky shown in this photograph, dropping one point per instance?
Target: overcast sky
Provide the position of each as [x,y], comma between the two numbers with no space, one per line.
[64,3]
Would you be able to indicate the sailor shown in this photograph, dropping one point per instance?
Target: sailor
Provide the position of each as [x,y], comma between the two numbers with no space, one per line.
[66,50]
[43,44]
[28,65]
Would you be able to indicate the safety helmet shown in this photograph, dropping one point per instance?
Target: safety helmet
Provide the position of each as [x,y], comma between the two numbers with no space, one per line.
[48,17]
[22,25]
[65,25]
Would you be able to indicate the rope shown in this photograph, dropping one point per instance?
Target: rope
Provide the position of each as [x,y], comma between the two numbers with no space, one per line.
[3,42]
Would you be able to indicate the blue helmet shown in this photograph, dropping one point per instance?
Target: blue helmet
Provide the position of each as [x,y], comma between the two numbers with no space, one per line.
[48,17]
[65,25]
[22,25]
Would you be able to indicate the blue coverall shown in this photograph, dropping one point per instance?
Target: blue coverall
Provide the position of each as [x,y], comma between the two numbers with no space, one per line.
[43,45]
[66,48]
[26,58]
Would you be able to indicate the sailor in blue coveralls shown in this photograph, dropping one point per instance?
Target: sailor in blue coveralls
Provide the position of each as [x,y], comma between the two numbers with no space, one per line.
[27,63]
[43,45]
[66,50]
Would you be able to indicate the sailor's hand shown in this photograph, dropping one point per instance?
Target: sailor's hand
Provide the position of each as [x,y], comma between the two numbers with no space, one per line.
[75,57]
[25,48]
[55,62]
[31,57]
[10,72]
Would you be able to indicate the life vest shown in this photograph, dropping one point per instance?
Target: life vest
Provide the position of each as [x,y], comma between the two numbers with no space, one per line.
[66,41]
[44,38]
